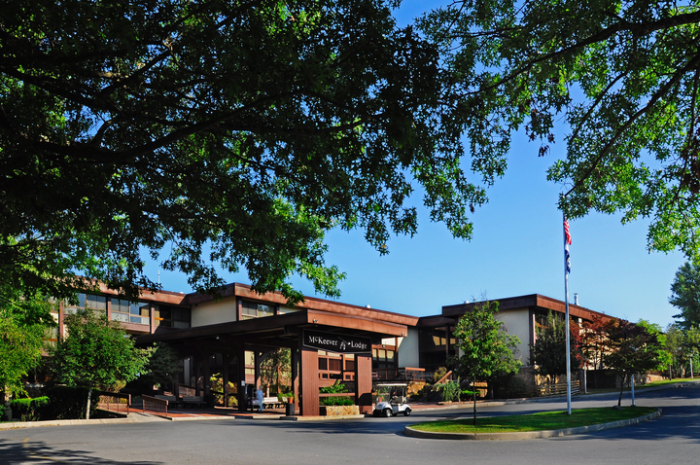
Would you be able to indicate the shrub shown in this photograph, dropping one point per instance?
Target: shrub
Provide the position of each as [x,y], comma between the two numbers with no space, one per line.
[68,402]
[414,388]
[217,388]
[439,373]
[2,411]
[511,387]
[330,401]
[334,389]
[29,409]
[450,391]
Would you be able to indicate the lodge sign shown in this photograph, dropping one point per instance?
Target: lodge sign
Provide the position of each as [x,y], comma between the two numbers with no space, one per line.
[337,343]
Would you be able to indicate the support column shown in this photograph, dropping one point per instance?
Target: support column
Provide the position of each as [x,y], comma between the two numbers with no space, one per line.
[227,360]
[207,375]
[197,366]
[258,358]
[295,378]
[240,379]
[309,383]
[363,383]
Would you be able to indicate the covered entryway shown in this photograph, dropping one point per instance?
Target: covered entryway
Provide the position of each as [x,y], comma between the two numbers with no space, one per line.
[304,332]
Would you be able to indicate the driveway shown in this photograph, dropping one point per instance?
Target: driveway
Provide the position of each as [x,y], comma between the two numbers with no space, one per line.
[672,439]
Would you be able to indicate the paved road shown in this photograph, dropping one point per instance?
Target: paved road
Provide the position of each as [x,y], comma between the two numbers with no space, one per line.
[672,439]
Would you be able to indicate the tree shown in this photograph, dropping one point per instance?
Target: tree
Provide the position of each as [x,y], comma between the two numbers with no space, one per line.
[624,77]
[23,325]
[549,351]
[635,348]
[96,354]
[485,348]
[276,362]
[592,338]
[676,347]
[686,295]
[236,133]
[162,368]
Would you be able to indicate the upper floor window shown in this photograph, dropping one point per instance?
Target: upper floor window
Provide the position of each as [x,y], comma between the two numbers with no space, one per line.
[255,310]
[131,312]
[171,317]
[97,303]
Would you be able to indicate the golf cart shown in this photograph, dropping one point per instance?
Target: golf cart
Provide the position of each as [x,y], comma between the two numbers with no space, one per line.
[393,400]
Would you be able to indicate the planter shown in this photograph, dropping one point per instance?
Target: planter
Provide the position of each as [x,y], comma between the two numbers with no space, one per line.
[339,410]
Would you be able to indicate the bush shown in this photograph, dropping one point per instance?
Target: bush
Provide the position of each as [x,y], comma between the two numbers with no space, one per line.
[450,390]
[414,388]
[217,388]
[439,373]
[511,388]
[334,389]
[69,402]
[30,409]
[2,411]
[330,401]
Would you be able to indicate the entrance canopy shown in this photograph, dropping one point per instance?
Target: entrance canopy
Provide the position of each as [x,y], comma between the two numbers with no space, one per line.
[305,332]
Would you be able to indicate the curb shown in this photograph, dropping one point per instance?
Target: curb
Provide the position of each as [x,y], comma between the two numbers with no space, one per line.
[323,418]
[39,424]
[408,431]
[500,403]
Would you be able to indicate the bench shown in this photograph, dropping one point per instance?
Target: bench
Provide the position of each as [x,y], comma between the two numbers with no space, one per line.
[267,401]
[170,399]
[193,400]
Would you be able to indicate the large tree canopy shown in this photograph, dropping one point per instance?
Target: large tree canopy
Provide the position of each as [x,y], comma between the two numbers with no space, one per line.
[686,295]
[238,131]
[624,77]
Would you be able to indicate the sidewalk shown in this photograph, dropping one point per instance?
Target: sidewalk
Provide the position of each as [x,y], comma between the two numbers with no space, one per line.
[429,406]
[221,413]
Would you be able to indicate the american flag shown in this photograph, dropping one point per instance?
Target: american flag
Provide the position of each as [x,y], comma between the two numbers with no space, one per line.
[567,243]
[567,234]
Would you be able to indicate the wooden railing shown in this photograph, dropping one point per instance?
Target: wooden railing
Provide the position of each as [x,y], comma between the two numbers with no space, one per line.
[558,389]
[158,406]
[399,374]
[114,402]
[444,378]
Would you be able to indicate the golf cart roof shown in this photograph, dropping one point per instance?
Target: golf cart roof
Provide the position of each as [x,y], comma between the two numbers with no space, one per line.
[392,385]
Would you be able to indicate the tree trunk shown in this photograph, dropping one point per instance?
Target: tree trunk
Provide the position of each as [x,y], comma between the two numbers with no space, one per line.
[87,412]
[622,388]
[474,394]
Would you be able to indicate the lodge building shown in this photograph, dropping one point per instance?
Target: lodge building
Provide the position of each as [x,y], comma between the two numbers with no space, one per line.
[330,341]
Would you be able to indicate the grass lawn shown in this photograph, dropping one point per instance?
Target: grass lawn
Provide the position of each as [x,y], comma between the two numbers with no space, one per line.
[536,422]
[638,387]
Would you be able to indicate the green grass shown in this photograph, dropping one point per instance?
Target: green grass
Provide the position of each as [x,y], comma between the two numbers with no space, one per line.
[543,421]
[638,387]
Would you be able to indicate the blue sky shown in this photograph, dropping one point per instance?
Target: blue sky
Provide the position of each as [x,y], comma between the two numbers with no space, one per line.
[517,249]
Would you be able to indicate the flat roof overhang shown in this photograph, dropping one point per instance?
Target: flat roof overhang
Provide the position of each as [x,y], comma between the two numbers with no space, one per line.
[537,301]
[276,331]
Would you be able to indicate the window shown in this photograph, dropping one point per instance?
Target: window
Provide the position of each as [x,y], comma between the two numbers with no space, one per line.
[255,310]
[284,310]
[97,303]
[129,312]
[171,317]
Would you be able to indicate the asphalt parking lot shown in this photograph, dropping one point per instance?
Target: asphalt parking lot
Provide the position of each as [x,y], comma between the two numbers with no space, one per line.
[674,439]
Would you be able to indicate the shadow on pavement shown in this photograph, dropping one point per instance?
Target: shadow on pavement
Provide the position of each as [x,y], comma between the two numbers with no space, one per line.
[12,453]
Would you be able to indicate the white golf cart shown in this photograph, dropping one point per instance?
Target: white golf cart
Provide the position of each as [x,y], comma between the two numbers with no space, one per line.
[391,400]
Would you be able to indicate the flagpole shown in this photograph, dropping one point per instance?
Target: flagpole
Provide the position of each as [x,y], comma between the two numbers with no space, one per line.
[566,321]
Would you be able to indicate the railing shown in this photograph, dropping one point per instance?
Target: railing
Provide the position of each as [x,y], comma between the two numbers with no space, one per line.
[186,390]
[558,389]
[157,406]
[114,402]
[399,374]
[447,376]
